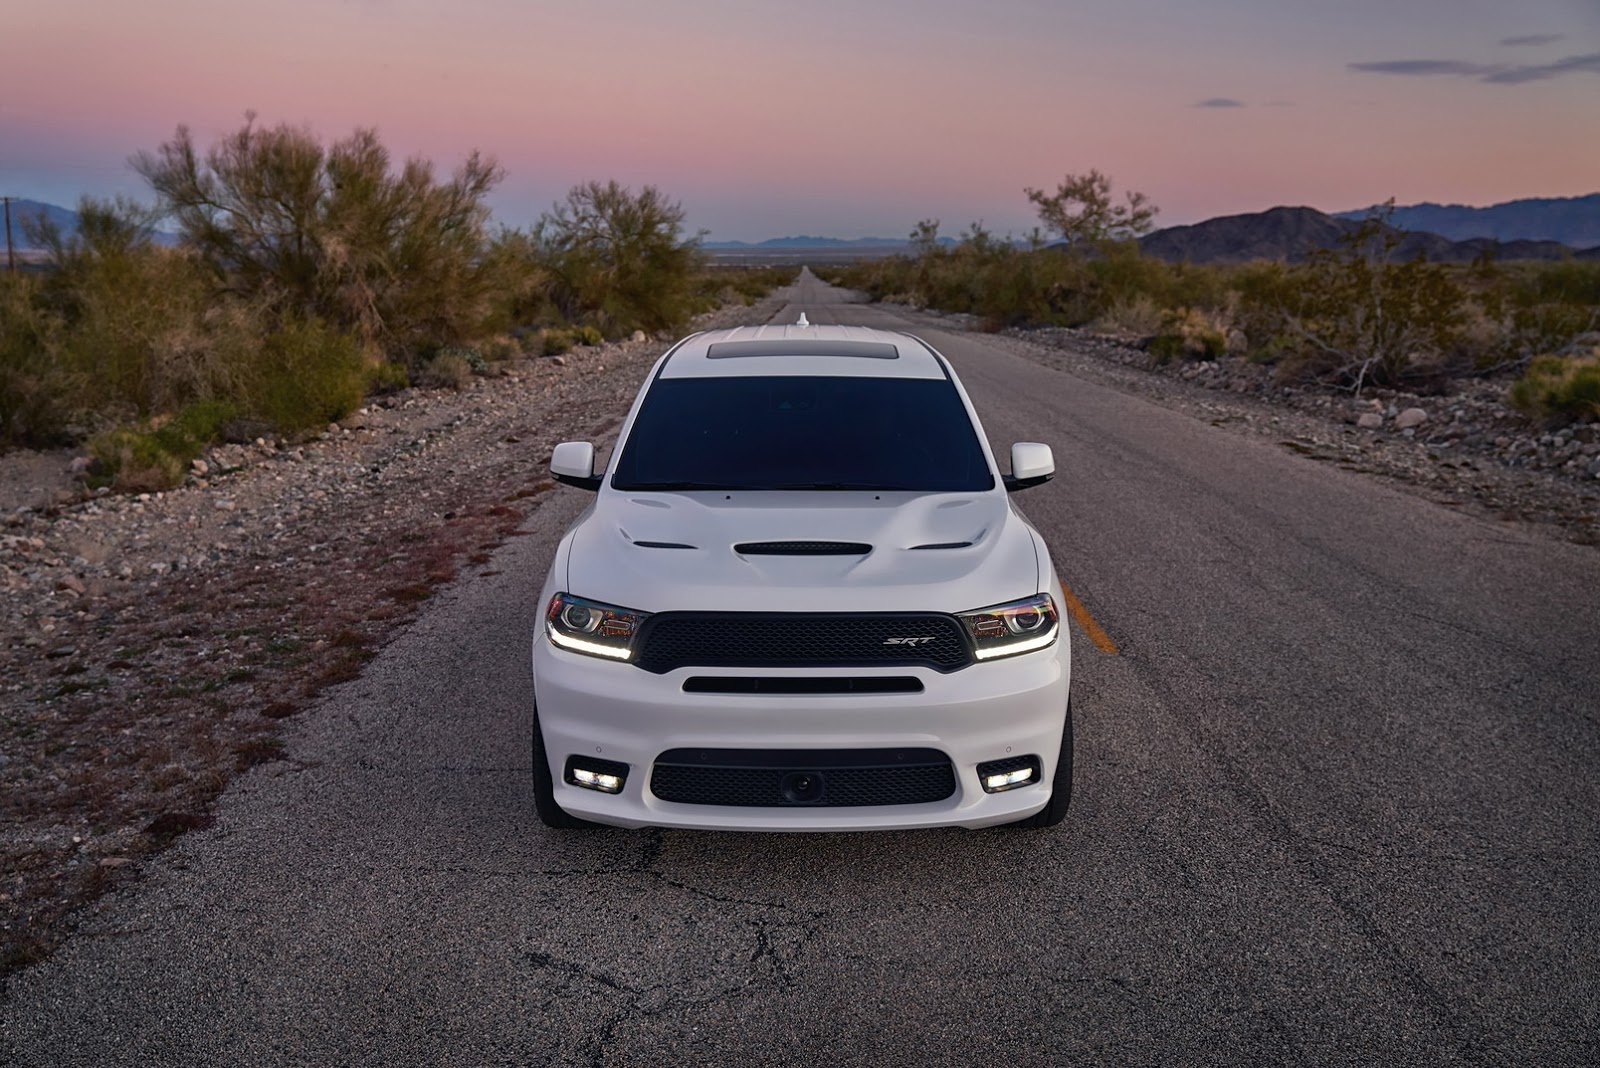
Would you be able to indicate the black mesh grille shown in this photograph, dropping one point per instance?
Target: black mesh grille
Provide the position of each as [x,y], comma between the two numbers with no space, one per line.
[803,548]
[694,639]
[807,684]
[767,779]
[1008,764]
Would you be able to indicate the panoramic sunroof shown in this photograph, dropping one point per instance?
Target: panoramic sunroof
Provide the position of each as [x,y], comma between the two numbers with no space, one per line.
[866,350]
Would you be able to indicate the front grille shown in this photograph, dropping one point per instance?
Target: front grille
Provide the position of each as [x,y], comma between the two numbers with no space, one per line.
[670,640]
[803,778]
[806,684]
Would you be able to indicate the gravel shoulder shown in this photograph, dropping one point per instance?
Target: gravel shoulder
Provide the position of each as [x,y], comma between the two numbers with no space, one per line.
[152,646]
[1467,451]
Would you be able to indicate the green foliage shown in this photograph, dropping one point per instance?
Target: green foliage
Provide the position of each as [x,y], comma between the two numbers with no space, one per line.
[618,261]
[333,233]
[587,334]
[445,370]
[307,374]
[1082,212]
[1363,319]
[134,322]
[555,342]
[36,391]
[1189,334]
[155,456]
[387,377]
[1560,389]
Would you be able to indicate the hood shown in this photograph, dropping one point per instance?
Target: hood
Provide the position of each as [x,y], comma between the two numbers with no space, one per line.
[943,552]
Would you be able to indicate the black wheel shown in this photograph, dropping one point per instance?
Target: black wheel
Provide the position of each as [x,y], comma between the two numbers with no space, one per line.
[1060,786]
[544,789]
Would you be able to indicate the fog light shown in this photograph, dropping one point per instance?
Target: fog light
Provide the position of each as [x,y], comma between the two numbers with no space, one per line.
[997,776]
[606,776]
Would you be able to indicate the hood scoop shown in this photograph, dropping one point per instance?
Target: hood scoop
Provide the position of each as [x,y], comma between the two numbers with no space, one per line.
[802,548]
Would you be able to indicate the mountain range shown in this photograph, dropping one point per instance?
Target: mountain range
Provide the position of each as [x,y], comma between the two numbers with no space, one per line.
[1573,221]
[1292,234]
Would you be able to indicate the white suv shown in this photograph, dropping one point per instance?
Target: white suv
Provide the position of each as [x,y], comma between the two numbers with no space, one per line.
[802,601]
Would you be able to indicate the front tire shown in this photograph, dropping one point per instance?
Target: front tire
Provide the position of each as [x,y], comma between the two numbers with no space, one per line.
[544,789]
[1060,786]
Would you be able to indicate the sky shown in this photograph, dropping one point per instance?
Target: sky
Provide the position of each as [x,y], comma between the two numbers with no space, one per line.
[837,118]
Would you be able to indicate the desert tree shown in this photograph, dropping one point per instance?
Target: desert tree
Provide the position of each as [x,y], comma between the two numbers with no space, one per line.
[618,260]
[1082,210]
[334,232]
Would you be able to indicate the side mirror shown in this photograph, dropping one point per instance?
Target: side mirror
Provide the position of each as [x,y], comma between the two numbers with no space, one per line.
[572,463]
[1031,464]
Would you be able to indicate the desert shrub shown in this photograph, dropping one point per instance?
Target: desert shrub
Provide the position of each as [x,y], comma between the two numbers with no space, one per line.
[587,334]
[136,322]
[134,460]
[305,375]
[555,342]
[1560,389]
[1357,317]
[500,349]
[387,376]
[744,284]
[445,370]
[156,454]
[334,233]
[618,261]
[1189,334]
[1138,314]
[37,392]
[471,355]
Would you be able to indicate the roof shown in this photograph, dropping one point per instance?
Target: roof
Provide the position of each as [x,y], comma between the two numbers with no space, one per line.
[836,351]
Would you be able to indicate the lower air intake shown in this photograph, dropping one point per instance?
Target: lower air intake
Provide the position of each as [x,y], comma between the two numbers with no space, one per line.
[803,778]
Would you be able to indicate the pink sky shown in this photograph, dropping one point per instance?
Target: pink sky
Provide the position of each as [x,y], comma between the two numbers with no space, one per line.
[841,118]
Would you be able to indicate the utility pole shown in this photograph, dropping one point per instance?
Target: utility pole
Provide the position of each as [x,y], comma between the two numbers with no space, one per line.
[11,257]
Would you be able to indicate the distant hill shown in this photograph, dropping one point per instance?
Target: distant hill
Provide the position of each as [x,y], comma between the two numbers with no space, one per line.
[23,211]
[1291,234]
[65,220]
[1573,221]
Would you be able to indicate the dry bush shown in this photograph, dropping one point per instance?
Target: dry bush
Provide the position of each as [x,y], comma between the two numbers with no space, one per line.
[1560,389]
[445,370]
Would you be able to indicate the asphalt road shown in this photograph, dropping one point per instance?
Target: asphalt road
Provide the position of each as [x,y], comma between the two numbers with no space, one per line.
[1336,803]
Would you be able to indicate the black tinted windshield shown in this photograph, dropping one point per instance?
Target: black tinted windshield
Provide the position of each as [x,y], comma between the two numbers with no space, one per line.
[803,433]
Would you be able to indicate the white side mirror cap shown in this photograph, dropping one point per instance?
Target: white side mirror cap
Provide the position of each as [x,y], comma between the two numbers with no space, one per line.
[572,462]
[1031,464]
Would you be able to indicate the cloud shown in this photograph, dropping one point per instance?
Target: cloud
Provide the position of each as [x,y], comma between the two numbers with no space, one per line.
[1493,73]
[1427,67]
[1220,102]
[1571,64]
[1532,39]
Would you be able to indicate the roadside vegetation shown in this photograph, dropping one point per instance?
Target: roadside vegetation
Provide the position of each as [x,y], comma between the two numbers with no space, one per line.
[308,276]
[1350,318]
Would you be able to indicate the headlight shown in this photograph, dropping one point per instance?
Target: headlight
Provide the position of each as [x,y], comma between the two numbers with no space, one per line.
[591,627]
[1008,629]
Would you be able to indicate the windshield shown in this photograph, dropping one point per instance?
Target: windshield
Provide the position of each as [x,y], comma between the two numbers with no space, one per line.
[803,432]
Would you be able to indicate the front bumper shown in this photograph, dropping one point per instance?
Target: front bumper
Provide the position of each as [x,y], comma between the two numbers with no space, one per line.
[1010,707]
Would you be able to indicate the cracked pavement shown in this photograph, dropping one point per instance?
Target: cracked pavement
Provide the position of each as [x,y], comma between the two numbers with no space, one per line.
[1335,804]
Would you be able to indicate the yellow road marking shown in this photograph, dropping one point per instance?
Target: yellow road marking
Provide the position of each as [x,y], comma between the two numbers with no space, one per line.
[1101,639]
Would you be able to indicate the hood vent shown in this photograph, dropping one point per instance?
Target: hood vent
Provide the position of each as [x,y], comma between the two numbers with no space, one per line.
[945,545]
[664,545]
[802,548]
